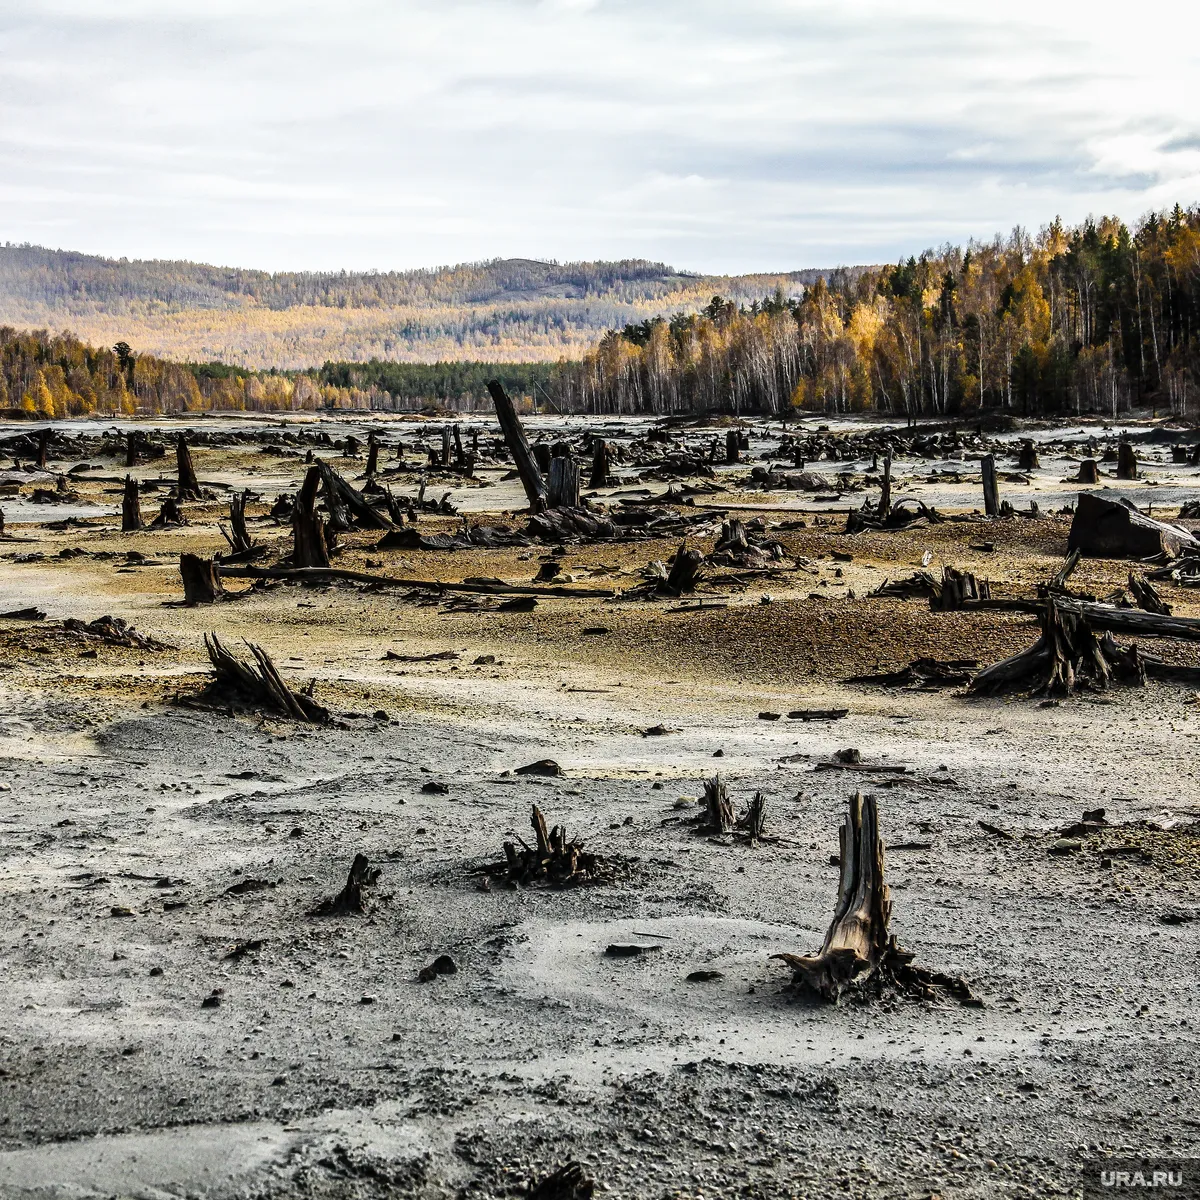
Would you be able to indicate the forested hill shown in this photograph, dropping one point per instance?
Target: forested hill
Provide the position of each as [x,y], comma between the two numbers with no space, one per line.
[504,310]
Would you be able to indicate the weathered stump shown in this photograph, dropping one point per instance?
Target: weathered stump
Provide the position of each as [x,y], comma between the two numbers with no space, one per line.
[732,446]
[188,486]
[310,544]
[991,489]
[600,464]
[1089,471]
[1127,463]
[201,583]
[564,483]
[131,507]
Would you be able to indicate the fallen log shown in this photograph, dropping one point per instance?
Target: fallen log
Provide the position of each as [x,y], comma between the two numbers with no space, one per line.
[858,947]
[483,587]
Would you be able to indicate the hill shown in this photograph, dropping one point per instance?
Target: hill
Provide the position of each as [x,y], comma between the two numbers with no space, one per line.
[506,310]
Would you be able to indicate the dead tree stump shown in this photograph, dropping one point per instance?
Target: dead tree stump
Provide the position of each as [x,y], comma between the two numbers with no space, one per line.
[372,454]
[732,446]
[132,443]
[754,819]
[201,583]
[188,486]
[1027,456]
[262,687]
[43,450]
[991,490]
[169,513]
[718,808]
[131,507]
[1089,471]
[350,899]
[310,545]
[1146,596]
[600,464]
[237,535]
[564,483]
[885,494]
[1127,463]
[685,567]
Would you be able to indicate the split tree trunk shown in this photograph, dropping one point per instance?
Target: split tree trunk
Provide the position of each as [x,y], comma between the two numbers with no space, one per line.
[518,446]
[857,940]
[131,507]
[309,545]
[201,584]
[991,490]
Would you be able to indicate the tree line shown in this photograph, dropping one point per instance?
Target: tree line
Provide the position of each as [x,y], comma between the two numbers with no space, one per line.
[1095,318]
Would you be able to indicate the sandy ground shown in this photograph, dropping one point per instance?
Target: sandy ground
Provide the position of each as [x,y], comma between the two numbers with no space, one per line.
[328,1070]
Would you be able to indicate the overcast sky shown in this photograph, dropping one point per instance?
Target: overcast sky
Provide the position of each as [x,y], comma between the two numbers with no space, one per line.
[718,136]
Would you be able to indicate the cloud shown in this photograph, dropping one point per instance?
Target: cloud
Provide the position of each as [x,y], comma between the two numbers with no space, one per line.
[770,134]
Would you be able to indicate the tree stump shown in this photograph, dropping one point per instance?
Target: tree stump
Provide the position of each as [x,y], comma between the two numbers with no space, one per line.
[133,440]
[372,454]
[43,450]
[169,513]
[991,490]
[131,507]
[237,535]
[1027,456]
[188,486]
[1089,471]
[564,483]
[601,464]
[201,583]
[885,494]
[718,808]
[349,900]
[732,446]
[310,544]
[684,568]
[1127,463]
[444,459]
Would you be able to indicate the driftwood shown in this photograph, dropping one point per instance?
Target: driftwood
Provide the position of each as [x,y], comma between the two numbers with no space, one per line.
[926,674]
[187,486]
[350,899]
[958,590]
[562,524]
[111,630]
[518,447]
[858,947]
[260,686]
[131,507]
[483,587]
[310,542]
[553,861]
[1115,529]
[201,583]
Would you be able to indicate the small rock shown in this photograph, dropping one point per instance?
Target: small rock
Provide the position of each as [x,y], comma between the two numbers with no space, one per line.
[442,965]
[119,910]
[1066,846]
[850,755]
[156,970]
[704,976]
[627,950]
[435,788]
[544,766]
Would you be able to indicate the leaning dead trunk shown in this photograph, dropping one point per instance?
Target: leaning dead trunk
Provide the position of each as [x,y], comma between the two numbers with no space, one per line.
[201,583]
[188,486]
[518,447]
[131,507]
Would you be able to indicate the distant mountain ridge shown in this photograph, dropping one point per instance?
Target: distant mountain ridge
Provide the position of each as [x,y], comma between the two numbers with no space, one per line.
[516,309]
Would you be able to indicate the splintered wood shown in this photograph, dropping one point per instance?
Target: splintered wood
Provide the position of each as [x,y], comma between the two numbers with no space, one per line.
[553,861]
[858,946]
[259,687]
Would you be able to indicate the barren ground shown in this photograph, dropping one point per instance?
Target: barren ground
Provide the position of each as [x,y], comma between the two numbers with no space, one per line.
[328,1070]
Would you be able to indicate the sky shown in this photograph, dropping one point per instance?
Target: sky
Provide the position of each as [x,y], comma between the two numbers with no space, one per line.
[722,137]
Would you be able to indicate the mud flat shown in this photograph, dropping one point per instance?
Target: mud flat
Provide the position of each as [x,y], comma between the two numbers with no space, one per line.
[178,1021]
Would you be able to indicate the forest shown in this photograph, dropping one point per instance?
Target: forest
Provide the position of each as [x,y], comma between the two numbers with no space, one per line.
[506,310]
[1095,318]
